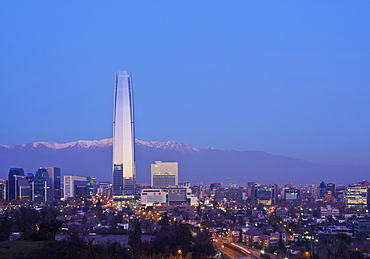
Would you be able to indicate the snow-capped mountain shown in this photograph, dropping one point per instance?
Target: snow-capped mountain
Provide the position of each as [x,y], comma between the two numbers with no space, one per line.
[170,145]
[91,144]
[93,157]
[88,144]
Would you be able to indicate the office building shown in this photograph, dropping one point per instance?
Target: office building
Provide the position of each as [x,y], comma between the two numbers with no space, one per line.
[55,176]
[266,194]
[251,191]
[153,196]
[124,167]
[30,178]
[199,190]
[69,184]
[330,187]
[164,174]
[314,190]
[86,187]
[230,194]
[104,188]
[360,225]
[322,189]
[213,188]
[79,186]
[292,195]
[2,189]
[181,195]
[12,187]
[329,211]
[23,188]
[41,187]
[357,196]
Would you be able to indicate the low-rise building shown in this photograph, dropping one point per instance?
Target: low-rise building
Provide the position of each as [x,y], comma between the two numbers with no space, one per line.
[360,226]
[153,196]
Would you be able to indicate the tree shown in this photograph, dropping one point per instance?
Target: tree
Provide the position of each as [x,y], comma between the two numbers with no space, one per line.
[334,247]
[111,250]
[164,242]
[184,238]
[240,239]
[49,214]
[5,227]
[165,220]
[134,235]
[28,220]
[281,247]
[203,247]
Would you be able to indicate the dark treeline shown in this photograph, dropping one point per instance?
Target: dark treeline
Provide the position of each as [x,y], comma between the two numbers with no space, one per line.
[172,238]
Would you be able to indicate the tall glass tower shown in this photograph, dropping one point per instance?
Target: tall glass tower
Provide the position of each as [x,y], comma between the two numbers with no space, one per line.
[124,167]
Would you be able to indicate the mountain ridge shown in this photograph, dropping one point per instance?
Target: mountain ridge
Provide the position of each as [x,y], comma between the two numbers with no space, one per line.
[93,157]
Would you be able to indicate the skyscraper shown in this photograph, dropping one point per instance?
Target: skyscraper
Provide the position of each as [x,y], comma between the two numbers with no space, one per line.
[54,173]
[2,189]
[69,184]
[124,167]
[12,186]
[42,186]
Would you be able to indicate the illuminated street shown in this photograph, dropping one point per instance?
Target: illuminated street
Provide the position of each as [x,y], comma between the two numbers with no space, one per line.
[234,252]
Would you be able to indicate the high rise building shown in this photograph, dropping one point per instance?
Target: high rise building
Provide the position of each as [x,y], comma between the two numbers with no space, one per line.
[164,174]
[231,194]
[292,195]
[69,184]
[251,190]
[104,188]
[79,186]
[322,190]
[266,194]
[12,187]
[2,189]
[54,174]
[42,190]
[330,188]
[23,188]
[124,167]
[357,196]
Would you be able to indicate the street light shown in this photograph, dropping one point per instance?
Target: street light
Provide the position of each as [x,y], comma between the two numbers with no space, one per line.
[179,252]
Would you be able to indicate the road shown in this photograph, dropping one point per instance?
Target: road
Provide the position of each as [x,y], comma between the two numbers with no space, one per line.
[234,252]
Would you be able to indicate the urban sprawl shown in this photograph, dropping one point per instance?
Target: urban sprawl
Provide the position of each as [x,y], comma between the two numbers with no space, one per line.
[43,215]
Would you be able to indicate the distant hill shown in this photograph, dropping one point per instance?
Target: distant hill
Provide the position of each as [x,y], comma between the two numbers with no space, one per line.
[93,157]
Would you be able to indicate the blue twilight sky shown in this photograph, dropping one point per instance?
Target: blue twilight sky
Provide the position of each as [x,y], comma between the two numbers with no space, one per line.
[284,77]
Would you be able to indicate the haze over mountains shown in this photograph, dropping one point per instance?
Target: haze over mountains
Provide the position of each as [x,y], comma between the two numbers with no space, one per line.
[93,157]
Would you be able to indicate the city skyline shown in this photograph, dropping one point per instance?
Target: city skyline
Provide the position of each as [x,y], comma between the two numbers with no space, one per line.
[250,137]
[287,79]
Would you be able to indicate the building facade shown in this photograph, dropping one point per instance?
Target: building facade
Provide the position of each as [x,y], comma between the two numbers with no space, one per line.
[357,196]
[41,187]
[23,189]
[292,195]
[12,183]
[69,184]
[266,194]
[2,189]
[124,166]
[54,174]
[164,174]
[153,196]
[231,194]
